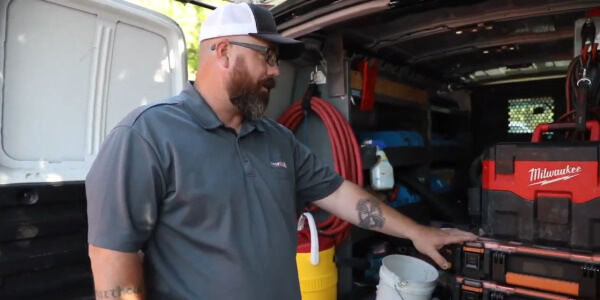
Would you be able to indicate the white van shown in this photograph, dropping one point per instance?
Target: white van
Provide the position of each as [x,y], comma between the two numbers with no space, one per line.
[69,71]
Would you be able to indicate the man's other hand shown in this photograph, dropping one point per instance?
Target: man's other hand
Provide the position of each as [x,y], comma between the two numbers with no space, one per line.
[429,240]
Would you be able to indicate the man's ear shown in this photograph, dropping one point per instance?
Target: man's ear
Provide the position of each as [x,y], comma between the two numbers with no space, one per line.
[221,50]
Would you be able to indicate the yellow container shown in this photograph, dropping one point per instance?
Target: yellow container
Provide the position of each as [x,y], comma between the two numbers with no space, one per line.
[314,257]
[317,282]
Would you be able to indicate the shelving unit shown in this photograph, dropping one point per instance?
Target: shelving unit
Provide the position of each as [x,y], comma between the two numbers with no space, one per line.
[407,156]
[448,154]
[450,151]
[415,156]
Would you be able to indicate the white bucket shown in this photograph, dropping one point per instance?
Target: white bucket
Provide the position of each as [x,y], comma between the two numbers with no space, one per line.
[404,277]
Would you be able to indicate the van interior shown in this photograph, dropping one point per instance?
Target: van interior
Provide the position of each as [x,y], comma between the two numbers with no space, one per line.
[432,84]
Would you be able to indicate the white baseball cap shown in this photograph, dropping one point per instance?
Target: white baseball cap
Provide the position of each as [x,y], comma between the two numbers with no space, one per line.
[248,19]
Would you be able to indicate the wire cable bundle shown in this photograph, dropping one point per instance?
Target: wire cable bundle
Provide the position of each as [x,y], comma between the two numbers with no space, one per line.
[582,86]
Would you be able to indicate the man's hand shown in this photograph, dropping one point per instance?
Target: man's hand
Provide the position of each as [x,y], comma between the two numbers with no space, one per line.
[428,240]
[355,205]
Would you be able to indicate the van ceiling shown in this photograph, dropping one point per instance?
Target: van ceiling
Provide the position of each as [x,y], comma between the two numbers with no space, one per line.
[450,41]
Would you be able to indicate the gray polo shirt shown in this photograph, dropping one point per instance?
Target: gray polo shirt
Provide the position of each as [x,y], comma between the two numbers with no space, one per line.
[214,211]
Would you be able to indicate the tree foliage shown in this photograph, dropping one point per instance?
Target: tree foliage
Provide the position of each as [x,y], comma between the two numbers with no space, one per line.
[189,17]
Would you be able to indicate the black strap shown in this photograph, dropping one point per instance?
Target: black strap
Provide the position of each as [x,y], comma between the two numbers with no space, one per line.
[311,91]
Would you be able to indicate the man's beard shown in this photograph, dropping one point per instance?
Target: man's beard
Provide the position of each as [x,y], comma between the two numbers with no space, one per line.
[247,96]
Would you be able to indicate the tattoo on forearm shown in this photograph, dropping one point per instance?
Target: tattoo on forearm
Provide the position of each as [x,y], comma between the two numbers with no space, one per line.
[117,292]
[369,214]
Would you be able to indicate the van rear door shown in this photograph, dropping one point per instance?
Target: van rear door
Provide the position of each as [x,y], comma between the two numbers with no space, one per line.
[70,70]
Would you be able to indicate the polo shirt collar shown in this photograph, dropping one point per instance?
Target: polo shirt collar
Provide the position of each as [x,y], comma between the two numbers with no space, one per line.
[249,126]
[206,117]
[258,124]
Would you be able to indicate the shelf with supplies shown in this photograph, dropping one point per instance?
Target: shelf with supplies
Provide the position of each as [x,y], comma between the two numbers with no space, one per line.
[448,153]
[415,156]
[403,148]
[388,90]
[407,156]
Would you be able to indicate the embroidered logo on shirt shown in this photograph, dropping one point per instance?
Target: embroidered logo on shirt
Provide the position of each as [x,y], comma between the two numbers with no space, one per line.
[279,164]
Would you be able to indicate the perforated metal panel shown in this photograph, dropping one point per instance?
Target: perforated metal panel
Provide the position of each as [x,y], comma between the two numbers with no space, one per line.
[524,114]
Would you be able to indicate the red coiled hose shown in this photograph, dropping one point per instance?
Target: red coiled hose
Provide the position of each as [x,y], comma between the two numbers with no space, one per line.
[346,154]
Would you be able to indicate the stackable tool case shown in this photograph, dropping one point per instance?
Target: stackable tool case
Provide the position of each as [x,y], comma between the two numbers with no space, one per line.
[69,71]
[542,192]
[467,289]
[557,271]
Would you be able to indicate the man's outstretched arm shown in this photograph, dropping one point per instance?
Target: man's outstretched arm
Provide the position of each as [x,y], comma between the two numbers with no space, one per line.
[117,275]
[355,205]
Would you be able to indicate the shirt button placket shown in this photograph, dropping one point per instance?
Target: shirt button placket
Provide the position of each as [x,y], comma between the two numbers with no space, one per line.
[244,159]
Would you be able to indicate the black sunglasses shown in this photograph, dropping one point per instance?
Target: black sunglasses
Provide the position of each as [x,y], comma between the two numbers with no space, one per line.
[271,56]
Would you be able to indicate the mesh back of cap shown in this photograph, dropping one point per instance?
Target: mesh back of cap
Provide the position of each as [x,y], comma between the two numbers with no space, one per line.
[229,19]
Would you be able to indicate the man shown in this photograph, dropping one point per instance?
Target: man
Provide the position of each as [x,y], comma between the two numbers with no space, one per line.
[207,188]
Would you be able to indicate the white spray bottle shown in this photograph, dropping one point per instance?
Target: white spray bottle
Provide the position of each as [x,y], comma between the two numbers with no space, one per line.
[382,173]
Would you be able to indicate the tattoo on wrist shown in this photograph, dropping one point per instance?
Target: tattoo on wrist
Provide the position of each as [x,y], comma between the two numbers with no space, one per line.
[369,214]
[118,291]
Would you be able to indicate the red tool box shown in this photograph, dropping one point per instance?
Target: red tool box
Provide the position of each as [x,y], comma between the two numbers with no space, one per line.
[516,264]
[546,193]
[467,289]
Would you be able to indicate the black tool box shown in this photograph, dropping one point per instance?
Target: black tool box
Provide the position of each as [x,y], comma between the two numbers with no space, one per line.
[534,267]
[545,193]
[467,289]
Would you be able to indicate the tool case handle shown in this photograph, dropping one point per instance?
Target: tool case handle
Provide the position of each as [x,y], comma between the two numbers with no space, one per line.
[592,126]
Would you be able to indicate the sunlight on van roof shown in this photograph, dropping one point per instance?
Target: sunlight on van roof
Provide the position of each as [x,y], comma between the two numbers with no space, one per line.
[559,66]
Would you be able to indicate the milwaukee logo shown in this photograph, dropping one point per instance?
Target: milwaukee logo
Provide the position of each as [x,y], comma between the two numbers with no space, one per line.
[545,176]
